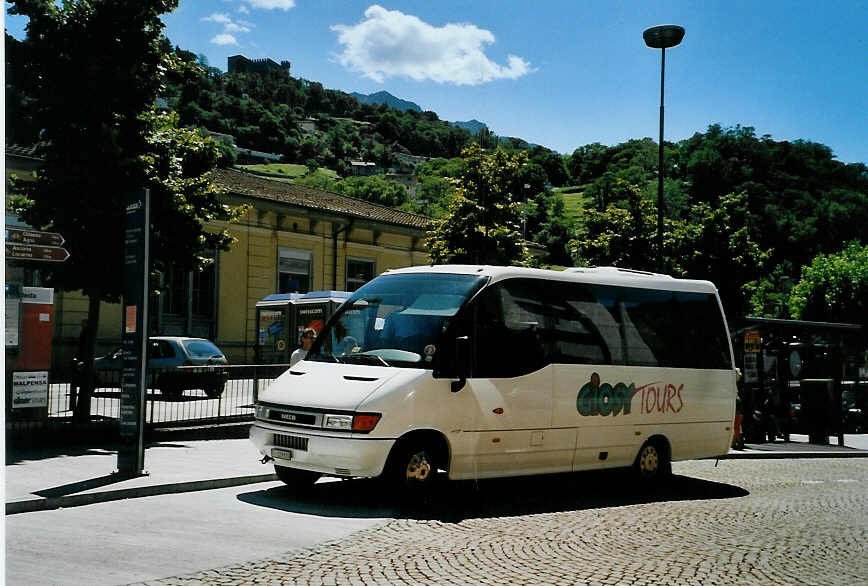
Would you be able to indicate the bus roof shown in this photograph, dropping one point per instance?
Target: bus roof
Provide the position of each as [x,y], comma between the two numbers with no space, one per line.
[596,275]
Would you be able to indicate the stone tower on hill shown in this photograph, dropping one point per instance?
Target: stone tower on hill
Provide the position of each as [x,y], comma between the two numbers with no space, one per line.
[241,64]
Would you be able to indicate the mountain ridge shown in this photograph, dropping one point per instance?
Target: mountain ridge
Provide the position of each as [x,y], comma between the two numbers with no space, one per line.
[384,97]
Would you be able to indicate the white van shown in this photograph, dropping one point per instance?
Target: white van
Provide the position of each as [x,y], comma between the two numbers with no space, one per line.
[486,371]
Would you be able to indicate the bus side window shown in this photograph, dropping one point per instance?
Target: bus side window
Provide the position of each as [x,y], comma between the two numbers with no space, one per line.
[510,331]
[584,331]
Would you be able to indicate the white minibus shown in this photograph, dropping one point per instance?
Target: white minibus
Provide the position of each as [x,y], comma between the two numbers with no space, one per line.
[484,371]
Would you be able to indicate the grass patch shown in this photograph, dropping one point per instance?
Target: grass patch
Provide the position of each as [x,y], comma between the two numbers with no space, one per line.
[574,203]
[288,171]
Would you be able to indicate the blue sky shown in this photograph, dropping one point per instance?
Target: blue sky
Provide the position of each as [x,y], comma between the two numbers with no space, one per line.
[565,74]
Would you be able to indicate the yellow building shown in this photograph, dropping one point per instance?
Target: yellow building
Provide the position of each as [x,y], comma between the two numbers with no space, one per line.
[297,238]
[293,238]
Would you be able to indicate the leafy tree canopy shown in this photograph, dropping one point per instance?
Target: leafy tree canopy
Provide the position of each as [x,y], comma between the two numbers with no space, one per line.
[712,243]
[375,189]
[834,287]
[93,70]
[483,224]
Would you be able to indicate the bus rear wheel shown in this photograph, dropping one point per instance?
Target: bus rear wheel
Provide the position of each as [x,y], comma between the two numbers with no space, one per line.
[653,465]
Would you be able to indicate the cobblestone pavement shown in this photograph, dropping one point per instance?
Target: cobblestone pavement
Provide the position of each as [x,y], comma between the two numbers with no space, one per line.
[742,522]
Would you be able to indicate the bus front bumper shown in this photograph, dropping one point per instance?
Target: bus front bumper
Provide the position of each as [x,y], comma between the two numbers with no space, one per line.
[345,456]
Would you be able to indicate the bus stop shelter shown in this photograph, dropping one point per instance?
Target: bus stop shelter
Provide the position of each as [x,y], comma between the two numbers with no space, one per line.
[801,377]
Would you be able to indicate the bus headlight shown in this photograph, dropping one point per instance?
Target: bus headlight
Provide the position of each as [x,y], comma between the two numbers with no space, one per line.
[359,422]
[260,412]
[340,422]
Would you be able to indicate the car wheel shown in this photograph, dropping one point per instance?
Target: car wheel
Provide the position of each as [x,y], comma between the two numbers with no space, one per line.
[653,466]
[298,480]
[214,392]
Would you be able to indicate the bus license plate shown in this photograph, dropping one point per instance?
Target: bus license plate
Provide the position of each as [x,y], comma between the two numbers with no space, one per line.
[281,454]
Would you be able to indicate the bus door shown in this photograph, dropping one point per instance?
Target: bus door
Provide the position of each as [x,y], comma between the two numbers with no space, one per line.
[511,384]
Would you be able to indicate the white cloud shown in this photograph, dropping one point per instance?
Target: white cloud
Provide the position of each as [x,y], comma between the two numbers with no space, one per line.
[389,43]
[224,39]
[271,4]
[218,17]
[230,28]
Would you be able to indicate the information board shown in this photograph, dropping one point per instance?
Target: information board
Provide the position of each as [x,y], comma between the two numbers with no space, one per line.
[131,453]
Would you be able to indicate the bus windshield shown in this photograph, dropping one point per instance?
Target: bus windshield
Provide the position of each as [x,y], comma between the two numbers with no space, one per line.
[395,320]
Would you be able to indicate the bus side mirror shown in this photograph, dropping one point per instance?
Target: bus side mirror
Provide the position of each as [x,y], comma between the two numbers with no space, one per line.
[462,362]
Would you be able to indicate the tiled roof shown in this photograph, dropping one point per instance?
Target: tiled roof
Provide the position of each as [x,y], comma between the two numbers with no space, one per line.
[240,183]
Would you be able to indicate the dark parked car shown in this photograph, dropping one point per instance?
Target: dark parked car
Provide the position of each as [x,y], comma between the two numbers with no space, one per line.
[167,355]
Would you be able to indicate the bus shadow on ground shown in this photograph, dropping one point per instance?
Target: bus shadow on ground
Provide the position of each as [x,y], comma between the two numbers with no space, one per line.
[453,502]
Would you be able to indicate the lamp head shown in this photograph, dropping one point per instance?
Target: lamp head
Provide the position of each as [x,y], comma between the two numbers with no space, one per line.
[663,36]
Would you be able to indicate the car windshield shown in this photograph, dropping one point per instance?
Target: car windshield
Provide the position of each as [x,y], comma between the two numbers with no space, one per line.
[201,349]
[395,320]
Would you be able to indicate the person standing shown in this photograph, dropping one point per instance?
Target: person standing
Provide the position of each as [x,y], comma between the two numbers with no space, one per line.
[78,365]
[307,338]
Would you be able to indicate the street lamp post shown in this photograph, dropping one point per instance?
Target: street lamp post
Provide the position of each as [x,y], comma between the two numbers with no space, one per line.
[661,37]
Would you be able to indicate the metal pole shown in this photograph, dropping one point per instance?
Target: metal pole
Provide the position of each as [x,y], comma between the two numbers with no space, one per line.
[660,267]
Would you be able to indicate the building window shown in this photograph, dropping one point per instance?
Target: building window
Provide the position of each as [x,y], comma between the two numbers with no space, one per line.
[190,290]
[176,291]
[204,285]
[294,270]
[359,272]
[187,303]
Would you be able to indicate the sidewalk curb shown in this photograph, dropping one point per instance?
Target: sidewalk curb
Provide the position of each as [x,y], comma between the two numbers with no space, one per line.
[77,500]
[51,503]
[792,455]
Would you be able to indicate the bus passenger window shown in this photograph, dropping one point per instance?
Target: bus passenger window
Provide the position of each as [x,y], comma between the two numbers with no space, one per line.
[510,332]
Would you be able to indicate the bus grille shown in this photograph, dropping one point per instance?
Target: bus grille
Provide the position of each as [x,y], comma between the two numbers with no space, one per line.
[291,441]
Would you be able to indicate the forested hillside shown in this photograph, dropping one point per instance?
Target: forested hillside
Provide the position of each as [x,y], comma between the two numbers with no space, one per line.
[745,211]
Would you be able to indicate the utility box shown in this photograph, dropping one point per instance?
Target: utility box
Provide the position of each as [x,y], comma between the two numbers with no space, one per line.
[282,317]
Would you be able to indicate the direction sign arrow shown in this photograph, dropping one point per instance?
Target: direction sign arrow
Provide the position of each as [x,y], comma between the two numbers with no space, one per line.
[24,236]
[36,252]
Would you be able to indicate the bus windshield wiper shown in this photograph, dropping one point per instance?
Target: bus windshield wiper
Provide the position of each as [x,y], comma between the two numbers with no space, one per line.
[378,359]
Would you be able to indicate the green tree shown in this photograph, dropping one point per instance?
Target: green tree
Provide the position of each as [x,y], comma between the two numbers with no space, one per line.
[713,243]
[834,287]
[483,224]
[106,141]
[619,236]
[375,189]
[588,162]
[769,295]
[717,244]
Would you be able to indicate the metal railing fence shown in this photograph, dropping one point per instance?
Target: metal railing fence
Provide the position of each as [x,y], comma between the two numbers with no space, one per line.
[185,396]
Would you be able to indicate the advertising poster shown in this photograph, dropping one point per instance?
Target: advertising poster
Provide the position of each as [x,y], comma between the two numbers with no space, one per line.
[29,389]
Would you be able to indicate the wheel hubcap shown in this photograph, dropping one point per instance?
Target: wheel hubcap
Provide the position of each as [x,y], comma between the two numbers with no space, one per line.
[419,467]
[649,461]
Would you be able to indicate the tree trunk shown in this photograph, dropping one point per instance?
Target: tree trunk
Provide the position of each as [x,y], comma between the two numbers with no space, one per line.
[82,406]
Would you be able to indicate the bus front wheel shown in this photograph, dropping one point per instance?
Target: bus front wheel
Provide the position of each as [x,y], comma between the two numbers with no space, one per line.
[413,469]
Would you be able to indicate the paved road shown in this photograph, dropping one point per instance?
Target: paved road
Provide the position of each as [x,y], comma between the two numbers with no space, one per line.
[800,521]
[142,538]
